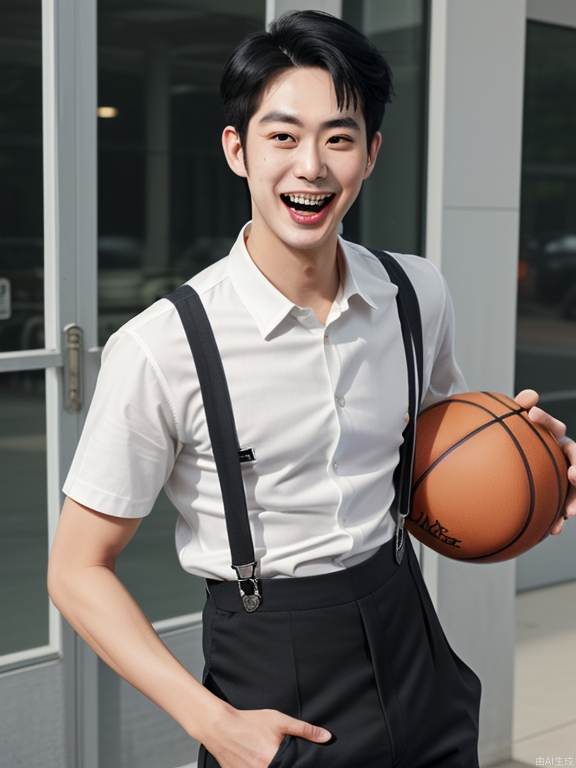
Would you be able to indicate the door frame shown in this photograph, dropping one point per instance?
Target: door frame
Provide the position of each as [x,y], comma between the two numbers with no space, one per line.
[70,180]
[70,70]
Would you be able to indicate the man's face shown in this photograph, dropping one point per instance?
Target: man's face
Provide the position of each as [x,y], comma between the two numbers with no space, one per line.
[292,150]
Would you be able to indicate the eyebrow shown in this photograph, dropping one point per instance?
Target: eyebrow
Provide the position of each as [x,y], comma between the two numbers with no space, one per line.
[277,116]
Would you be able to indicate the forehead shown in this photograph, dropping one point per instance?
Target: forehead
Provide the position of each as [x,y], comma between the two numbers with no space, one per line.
[306,92]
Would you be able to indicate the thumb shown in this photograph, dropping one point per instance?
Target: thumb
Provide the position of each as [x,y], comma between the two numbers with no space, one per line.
[305,730]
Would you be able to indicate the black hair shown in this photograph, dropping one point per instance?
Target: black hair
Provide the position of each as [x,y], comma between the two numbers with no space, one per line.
[360,73]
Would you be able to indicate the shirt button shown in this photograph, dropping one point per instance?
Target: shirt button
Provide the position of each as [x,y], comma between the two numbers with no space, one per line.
[406,418]
[326,337]
[335,465]
[341,401]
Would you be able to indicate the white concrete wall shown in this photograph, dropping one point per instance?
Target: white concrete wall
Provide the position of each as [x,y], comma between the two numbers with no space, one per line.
[476,91]
[275,8]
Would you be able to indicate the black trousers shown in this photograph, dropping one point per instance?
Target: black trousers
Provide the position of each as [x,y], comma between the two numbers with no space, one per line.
[361,652]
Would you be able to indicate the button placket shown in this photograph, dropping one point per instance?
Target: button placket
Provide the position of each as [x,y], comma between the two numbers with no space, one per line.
[333,365]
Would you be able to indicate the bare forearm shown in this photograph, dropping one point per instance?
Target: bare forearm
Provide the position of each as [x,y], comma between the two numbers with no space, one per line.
[102,611]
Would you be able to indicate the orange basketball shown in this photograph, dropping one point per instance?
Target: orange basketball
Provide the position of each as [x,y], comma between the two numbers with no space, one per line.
[488,482]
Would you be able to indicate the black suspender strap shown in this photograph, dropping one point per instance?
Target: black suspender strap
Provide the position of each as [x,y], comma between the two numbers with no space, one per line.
[224,438]
[411,325]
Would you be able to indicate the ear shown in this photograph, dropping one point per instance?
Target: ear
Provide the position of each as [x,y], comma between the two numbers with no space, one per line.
[374,149]
[233,151]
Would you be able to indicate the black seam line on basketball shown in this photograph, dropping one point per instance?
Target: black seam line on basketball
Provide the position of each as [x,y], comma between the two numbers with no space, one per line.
[561,500]
[496,420]
[487,424]
[454,399]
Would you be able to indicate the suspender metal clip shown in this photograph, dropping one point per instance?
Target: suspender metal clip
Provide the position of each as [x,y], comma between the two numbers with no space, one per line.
[246,573]
[399,543]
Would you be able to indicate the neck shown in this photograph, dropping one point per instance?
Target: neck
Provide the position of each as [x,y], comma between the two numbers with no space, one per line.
[309,278]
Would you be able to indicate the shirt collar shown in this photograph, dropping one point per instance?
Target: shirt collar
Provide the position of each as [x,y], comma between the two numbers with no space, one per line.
[269,306]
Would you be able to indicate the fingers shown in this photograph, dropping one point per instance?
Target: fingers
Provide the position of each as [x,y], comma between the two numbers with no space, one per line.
[305,730]
[557,429]
[569,447]
[553,425]
[527,398]
[557,527]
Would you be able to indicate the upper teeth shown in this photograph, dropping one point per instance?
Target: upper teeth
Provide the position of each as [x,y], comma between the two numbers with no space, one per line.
[308,199]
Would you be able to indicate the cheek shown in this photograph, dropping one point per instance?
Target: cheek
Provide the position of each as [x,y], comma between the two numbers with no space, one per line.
[269,169]
[351,172]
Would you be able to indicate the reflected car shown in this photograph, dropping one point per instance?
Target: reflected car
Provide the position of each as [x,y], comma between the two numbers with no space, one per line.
[556,274]
[125,286]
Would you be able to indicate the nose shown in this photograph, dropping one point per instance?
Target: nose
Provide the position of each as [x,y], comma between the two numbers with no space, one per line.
[309,162]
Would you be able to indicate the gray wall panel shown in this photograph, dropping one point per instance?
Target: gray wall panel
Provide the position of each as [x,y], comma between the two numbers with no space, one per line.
[31,718]
[136,732]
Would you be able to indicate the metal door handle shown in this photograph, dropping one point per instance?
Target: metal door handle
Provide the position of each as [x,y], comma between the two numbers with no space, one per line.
[73,349]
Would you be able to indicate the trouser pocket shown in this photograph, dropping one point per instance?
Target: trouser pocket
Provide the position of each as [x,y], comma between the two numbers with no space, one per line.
[283,757]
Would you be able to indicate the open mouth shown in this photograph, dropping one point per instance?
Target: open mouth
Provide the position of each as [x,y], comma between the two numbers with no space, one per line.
[307,205]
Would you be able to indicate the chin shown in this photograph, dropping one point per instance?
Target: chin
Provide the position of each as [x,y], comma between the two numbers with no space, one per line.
[307,240]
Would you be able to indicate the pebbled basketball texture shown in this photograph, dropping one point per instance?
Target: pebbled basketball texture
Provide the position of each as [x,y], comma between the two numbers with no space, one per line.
[488,482]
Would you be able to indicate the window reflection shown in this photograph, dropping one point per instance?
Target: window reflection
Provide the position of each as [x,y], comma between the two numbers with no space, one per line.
[389,210]
[21,178]
[23,523]
[547,267]
[168,203]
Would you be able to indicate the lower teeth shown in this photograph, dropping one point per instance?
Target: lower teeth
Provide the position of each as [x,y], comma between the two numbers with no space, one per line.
[307,209]
[310,208]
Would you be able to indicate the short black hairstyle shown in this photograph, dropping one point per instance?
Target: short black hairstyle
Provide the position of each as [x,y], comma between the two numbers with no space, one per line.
[360,73]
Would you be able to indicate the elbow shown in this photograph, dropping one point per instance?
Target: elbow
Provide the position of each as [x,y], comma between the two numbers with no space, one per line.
[56,580]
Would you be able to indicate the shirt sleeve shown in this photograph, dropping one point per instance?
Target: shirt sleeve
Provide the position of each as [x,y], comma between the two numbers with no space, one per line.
[446,378]
[129,441]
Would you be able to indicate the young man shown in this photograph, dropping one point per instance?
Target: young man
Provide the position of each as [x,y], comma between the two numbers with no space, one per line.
[341,636]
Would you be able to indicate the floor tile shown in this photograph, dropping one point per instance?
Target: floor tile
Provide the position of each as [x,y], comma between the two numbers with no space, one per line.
[544,732]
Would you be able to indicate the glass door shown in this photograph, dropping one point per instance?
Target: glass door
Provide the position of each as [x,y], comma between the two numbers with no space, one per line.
[47,194]
[113,190]
[546,327]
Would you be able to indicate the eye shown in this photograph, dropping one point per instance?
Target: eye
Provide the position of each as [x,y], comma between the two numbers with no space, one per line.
[344,138]
[285,135]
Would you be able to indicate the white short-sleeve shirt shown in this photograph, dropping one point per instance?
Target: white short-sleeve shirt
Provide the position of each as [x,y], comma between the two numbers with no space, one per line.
[322,406]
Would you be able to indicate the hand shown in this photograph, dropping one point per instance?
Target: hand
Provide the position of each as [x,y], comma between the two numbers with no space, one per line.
[250,738]
[528,398]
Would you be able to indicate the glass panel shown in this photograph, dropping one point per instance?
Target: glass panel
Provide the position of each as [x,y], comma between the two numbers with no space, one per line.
[23,522]
[168,203]
[150,569]
[21,193]
[389,210]
[546,326]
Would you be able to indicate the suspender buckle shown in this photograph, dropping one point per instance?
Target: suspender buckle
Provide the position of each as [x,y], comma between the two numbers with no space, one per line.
[246,573]
[399,542]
